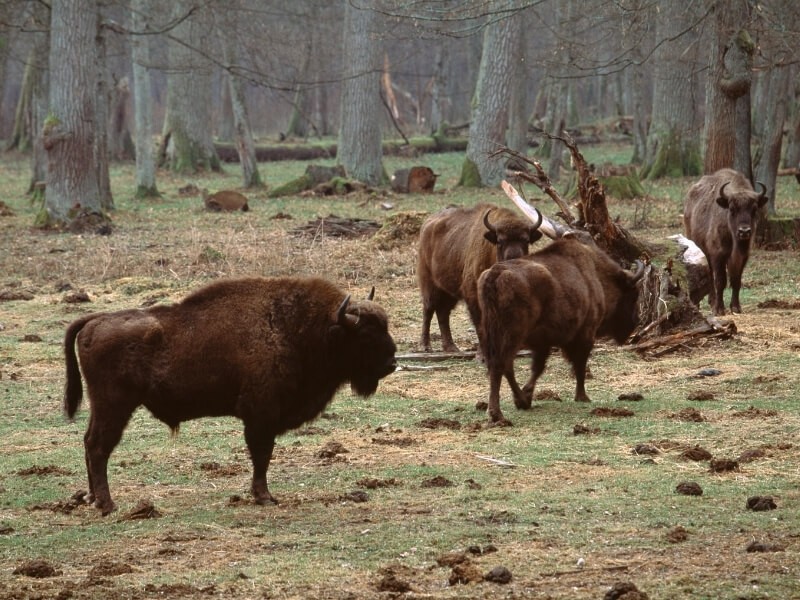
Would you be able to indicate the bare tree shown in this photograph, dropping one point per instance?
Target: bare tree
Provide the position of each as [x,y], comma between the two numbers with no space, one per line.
[143,112]
[187,134]
[673,143]
[72,191]
[487,130]
[359,146]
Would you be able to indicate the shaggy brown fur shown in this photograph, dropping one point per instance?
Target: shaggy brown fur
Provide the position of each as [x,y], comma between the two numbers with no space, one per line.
[719,215]
[563,296]
[271,352]
[225,200]
[456,245]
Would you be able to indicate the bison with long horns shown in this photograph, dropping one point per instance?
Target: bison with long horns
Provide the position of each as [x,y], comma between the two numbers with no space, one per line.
[456,245]
[270,351]
[719,215]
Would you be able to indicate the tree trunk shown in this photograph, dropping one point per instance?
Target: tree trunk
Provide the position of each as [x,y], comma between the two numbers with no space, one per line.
[792,157]
[439,100]
[102,101]
[40,93]
[245,145]
[728,89]
[143,111]
[772,109]
[359,143]
[187,126]
[20,138]
[673,145]
[489,121]
[72,195]
[517,137]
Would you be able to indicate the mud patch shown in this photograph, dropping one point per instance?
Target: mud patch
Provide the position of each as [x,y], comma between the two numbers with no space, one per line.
[701,396]
[784,304]
[755,413]
[689,488]
[756,546]
[761,503]
[331,450]
[437,482]
[677,534]
[696,453]
[40,471]
[38,569]
[144,509]
[215,469]
[581,429]
[401,442]
[723,465]
[625,591]
[434,423]
[373,484]
[645,449]
[110,569]
[691,415]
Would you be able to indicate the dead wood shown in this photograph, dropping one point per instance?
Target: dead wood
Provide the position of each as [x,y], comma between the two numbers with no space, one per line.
[339,227]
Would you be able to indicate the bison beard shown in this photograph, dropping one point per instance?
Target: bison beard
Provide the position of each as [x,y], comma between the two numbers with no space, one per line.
[719,215]
[272,352]
[563,296]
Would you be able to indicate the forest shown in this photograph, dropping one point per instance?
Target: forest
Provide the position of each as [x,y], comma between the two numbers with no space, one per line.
[692,86]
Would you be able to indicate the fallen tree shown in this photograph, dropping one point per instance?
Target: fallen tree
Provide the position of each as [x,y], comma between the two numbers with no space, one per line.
[668,313]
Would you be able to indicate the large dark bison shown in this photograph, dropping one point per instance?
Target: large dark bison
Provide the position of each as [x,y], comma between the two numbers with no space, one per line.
[455,246]
[719,215]
[271,352]
[564,296]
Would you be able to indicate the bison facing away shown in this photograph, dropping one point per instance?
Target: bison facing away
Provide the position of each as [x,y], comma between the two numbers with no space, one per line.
[564,296]
[225,200]
[456,245]
[271,352]
[719,215]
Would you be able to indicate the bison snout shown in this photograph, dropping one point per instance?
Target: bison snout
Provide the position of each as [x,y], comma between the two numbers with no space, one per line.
[744,233]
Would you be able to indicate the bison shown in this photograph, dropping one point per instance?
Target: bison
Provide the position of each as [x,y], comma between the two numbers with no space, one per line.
[456,245]
[564,296]
[719,215]
[270,351]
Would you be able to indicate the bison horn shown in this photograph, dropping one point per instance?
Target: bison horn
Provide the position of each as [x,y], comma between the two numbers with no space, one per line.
[538,223]
[371,294]
[342,318]
[486,222]
[763,189]
[722,190]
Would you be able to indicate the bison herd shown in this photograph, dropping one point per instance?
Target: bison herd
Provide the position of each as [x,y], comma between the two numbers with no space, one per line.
[274,351]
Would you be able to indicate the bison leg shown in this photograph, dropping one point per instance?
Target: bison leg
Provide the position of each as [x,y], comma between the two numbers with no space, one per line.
[735,269]
[579,356]
[442,305]
[522,400]
[538,362]
[102,436]
[260,444]
[495,414]
[720,281]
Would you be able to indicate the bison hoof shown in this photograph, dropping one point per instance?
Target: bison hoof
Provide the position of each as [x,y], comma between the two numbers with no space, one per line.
[451,347]
[500,421]
[268,499]
[582,399]
[105,508]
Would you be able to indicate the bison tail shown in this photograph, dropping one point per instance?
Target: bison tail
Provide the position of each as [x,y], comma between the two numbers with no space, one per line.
[73,389]
[492,337]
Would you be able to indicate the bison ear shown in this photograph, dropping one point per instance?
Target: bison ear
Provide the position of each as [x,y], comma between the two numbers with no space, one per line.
[490,236]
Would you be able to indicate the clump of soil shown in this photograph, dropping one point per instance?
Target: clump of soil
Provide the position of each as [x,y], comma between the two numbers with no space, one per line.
[451,559]
[499,575]
[723,465]
[355,496]
[399,230]
[143,510]
[603,411]
[402,442]
[110,569]
[677,534]
[756,546]
[785,304]
[548,395]
[44,470]
[689,488]
[464,573]
[625,591]
[688,414]
[755,413]
[647,449]
[437,481]
[696,453]
[330,450]
[217,470]
[630,397]
[38,569]
[373,484]
[761,503]
[751,455]
[700,396]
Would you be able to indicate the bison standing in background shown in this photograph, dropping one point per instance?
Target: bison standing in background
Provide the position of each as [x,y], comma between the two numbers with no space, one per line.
[565,296]
[271,352]
[719,215]
[456,245]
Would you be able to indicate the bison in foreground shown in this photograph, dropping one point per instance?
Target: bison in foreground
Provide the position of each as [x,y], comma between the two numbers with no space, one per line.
[565,296]
[719,215]
[271,352]
[456,245]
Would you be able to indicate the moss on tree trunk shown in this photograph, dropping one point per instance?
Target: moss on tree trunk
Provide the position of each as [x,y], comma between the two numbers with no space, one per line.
[470,176]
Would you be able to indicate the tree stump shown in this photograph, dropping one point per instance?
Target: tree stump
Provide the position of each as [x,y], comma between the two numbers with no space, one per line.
[414,180]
